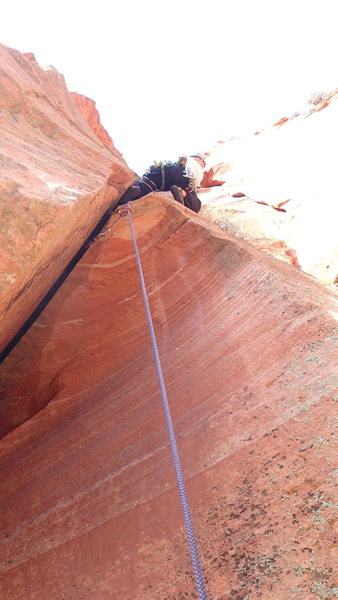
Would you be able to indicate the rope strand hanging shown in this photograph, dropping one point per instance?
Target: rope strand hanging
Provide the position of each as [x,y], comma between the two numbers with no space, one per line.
[198,573]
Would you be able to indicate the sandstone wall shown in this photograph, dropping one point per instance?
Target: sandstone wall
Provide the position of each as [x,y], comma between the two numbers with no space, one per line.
[59,173]
[249,348]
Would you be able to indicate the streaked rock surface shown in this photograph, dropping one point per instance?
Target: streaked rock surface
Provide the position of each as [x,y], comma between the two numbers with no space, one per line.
[249,348]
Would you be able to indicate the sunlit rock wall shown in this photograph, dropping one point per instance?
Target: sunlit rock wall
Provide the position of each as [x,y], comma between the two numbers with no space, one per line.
[59,173]
[289,177]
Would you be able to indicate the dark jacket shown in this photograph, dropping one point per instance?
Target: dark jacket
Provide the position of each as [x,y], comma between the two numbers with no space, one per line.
[161,177]
[167,174]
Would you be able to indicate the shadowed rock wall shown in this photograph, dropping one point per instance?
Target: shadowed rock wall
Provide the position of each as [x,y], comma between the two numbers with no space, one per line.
[249,348]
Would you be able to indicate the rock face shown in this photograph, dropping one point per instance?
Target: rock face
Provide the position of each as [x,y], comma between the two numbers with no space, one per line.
[248,344]
[59,173]
[90,113]
[289,170]
[249,352]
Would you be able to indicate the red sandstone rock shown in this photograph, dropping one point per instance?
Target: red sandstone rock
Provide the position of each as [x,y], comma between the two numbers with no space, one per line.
[89,111]
[322,105]
[55,165]
[213,176]
[88,499]
[281,121]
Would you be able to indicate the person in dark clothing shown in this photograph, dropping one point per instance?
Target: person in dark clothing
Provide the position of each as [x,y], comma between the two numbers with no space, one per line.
[181,178]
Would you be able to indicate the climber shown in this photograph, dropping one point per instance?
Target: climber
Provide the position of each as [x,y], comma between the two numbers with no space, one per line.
[182,178]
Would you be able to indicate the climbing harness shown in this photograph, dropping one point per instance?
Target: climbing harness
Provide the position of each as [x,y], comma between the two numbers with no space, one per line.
[148,182]
[198,573]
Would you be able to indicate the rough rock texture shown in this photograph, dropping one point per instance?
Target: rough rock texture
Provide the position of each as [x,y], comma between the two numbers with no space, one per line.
[249,348]
[290,170]
[254,222]
[59,173]
[89,111]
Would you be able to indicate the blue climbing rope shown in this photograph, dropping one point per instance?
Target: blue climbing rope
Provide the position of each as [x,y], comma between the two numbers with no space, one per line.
[198,573]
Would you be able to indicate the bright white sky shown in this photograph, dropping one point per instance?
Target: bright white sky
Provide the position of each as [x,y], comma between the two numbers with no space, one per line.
[175,76]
